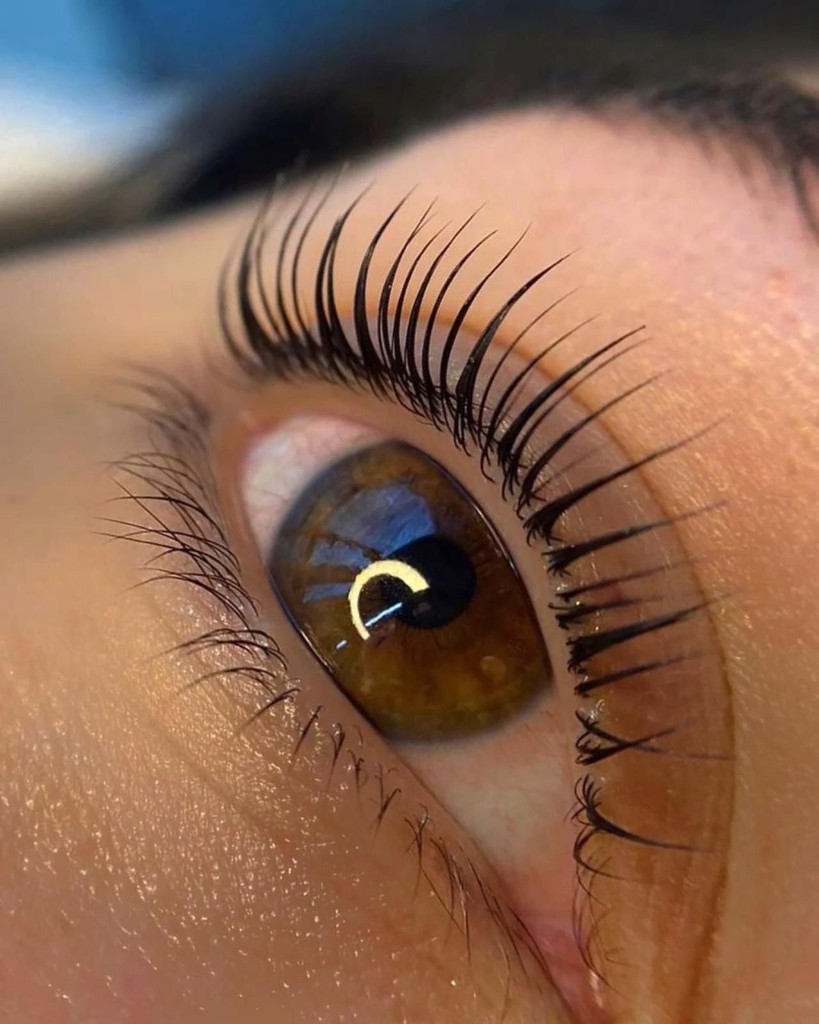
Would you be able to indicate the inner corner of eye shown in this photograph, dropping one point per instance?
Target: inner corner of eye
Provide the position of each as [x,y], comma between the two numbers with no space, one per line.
[395,579]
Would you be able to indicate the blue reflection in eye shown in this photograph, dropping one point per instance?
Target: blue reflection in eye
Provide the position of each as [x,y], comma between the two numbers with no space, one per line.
[323,591]
[384,519]
[339,552]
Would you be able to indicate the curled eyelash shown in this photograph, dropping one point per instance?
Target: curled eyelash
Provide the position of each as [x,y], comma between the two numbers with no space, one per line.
[290,329]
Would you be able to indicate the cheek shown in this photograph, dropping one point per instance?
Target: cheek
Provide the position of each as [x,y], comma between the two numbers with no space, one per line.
[139,890]
[155,863]
[162,866]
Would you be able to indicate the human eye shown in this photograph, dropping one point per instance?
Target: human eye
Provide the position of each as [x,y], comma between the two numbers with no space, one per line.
[447,541]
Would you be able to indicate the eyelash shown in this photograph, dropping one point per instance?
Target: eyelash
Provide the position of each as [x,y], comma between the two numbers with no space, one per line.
[399,365]
[170,489]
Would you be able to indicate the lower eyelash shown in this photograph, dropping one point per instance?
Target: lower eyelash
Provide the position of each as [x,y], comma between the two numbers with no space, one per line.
[174,510]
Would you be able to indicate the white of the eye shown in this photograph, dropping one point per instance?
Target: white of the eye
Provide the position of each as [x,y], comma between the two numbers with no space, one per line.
[286,459]
[408,575]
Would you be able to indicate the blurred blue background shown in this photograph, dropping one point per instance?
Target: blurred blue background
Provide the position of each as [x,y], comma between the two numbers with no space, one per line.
[196,41]
[160,41]
[86,83]
[193,40]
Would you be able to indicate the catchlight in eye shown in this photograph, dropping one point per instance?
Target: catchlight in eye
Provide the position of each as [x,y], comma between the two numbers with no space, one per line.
[406,594]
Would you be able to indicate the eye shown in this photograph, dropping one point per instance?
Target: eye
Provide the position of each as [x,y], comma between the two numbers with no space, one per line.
[406,594]
[487,579]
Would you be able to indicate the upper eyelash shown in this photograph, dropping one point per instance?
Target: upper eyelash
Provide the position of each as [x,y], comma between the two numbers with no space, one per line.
[397,362]
[387,365]
[398,366]
[181,423]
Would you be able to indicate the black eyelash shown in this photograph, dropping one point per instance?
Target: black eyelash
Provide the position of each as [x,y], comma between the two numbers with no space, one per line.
[482,408]
[398,365]
[394,358]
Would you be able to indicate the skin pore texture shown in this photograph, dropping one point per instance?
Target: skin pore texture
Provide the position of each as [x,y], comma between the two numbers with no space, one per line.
[155,865]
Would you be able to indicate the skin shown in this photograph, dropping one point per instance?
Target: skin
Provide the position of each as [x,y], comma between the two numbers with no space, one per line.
[157,866]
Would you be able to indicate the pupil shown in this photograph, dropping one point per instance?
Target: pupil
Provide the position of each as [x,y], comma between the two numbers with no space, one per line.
[451,577]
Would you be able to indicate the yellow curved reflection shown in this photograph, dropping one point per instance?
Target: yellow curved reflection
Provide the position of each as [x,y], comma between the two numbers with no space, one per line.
[409,576]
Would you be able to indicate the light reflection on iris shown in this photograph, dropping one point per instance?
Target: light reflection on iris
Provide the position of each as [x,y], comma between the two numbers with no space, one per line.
[403,590]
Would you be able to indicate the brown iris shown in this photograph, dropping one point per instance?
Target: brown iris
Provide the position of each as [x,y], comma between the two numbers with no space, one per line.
[405,593]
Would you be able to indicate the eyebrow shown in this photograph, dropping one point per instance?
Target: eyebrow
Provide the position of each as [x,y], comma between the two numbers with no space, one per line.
[719,87]
[771,116]
[385,90]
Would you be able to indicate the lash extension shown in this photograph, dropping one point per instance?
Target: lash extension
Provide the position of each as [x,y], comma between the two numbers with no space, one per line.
[291,329]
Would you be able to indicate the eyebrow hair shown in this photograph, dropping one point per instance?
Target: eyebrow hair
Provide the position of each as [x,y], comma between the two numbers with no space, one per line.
[779,122]
[722,85]
[762,111]
[726,88]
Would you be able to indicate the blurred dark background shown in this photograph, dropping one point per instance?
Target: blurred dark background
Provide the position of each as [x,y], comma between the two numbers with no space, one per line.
[156,43]
[91,87]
